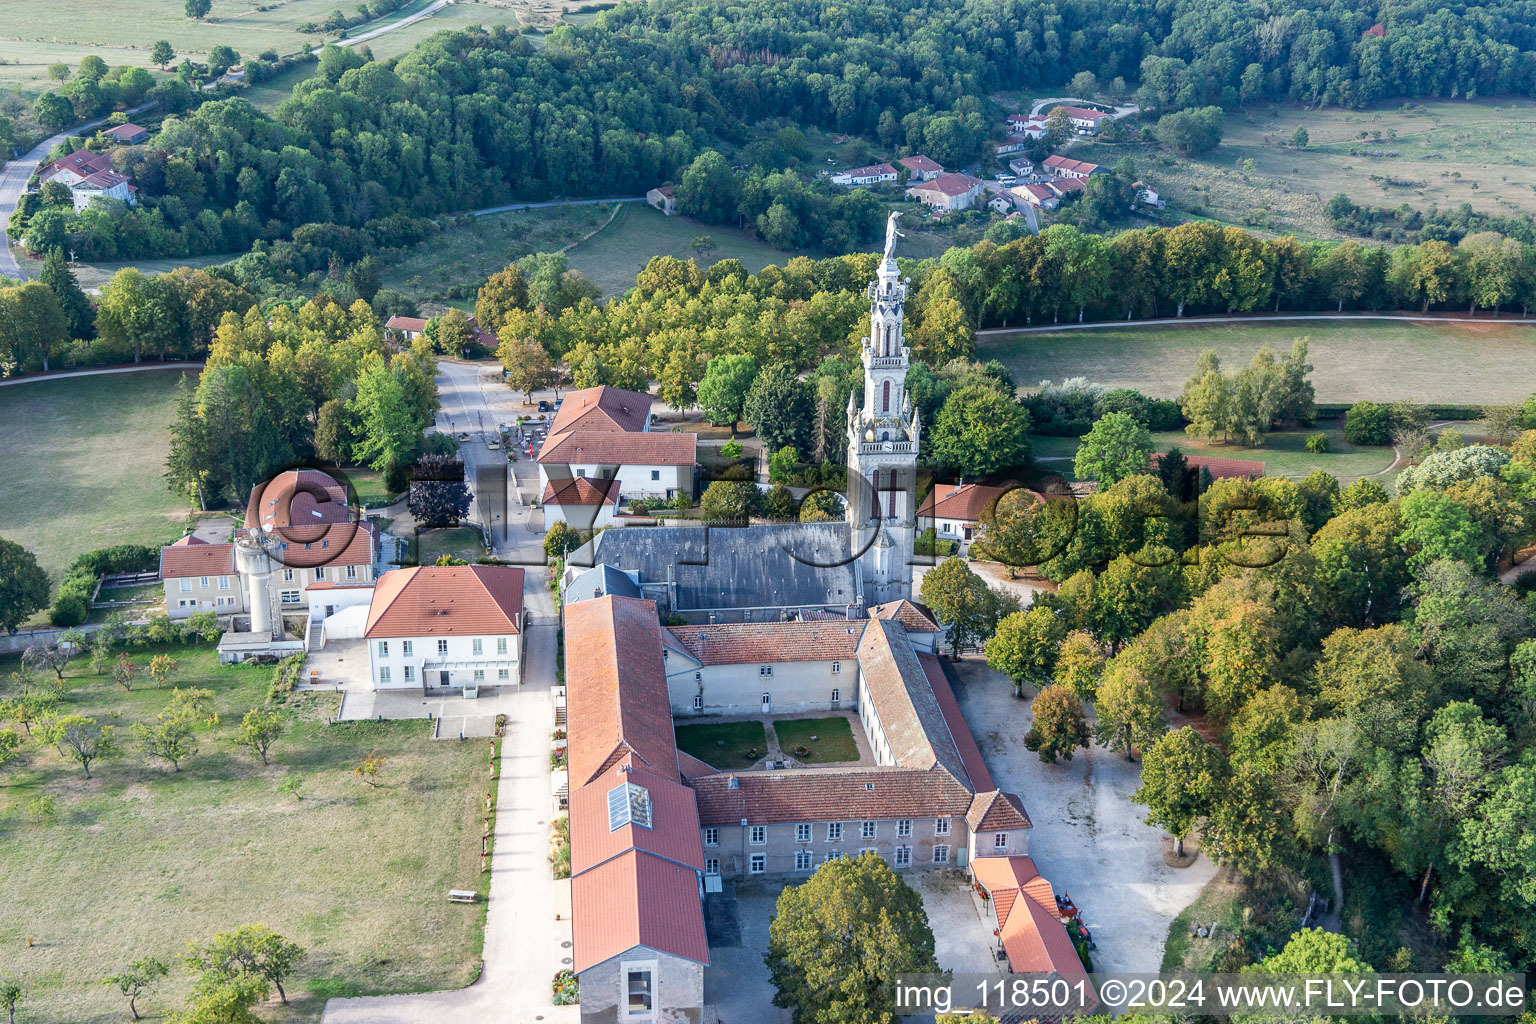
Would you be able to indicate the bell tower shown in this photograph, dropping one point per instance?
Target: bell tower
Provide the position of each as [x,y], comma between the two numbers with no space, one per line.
[882,443]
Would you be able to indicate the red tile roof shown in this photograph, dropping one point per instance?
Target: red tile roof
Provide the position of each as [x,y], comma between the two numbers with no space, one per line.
[125,131]
[447,600]
[582,490]
[413,324]
[747,643]
[191,556]
[1065,185]
[1220,468]
[921,164]
[829,794]
[869,171]
[309,512]
[605,447]
[105,179]
[674,830]
[1066,165]
[964,502]
[601,408]
[616,688]
[1041,192]
[949,184]
[1082,113]
[82,162]
[914,617]
[995,811]
[965,743]
[636,899]
[1029,922]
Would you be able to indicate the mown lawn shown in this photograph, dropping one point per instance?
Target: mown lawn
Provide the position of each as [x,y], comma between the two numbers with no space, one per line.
[459,542]
[139,860]
[1384,361]
[1284,453]
[724,745]
[83,464]
[827,739]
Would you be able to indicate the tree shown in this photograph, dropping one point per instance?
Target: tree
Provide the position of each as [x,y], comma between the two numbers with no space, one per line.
[219,1000]
[1191,132]
[1079,664]
[161,668]
[838,940]
[41,657]
[560,539]
[960,600]
[79,317]
[221,57]
[390,427]
[53,111]
[195,703]
[979,431]
[728,501]
[1313,951]
[1117,447]
[439,496]
[124,671]
[198,8]
[250,951]
[1128,713]
[23,585]
[10,997]
[778,408]
[1181,781]
[1084,85]
[32,322]
[333,432]
[1367,423]
[723,391]
[162,54]
[10,743]
[1024,646]
[1058,127]
[170,738]
[1299,137]
[259,729]
[137,979]
[81,740]
[1060,725]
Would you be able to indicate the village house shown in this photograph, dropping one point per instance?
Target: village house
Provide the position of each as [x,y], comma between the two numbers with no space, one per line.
[1024,124]
[89,176]
[1147,194]
[947,193]
[200,577]
[1065,187]
[1002,202]
[955,511]
[1022,166]
[1013,142]
[127,134]
[1065,167]
[446,629]
[407,328]
[921,168]
[663,198]
[1037,195]
[873,174]
[604,433]
[1086,121]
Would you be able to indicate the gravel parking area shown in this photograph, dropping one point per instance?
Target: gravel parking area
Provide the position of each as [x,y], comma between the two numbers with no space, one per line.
[1088,839]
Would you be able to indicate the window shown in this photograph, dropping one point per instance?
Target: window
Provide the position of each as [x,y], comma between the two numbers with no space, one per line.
[501,645]
[837,667]
[290,597]
[698,703]
[479,675]
[941,826]
[948,528]
[383,673]
[1000,840]
[203,582]
[941,855]
[904,827]
[765,670]
[639,998]
[477,646]
[903,856]
[325,543]
[711,837]
[319,573]
[186,585]
[868,849]
[287,575]
[711,865]
[351,572]
[383,648]
[502,674]
[867,830]
[803,860]
[223,582]
[837,695]
[759,863]
[407,647]
[628,804]
[833,855]
[655,474]
[442,647]
[802,833]
[581,472]
[759,835]
[410,673]
[834,832]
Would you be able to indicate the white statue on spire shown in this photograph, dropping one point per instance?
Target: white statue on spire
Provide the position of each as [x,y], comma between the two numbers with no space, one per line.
[891,234]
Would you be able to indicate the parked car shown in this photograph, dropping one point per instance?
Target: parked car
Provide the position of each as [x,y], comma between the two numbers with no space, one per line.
[464,436]
[493,443]
[543,406]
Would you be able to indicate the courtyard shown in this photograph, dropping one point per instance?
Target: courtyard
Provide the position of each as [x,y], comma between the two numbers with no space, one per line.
[749,742]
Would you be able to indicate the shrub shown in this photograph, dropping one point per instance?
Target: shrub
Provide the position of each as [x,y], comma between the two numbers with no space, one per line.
[565,988]
[928,543]
[397,477]
[1367,423]
[1317,444]
[69,610]
[1526,581]
[731,449]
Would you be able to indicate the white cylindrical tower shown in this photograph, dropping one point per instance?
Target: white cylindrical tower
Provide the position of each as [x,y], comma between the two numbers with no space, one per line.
[256,566]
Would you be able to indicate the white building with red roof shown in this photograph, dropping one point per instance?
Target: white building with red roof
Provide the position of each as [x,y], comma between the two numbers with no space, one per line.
[921,167]
[947,192]
[873,174]
[446,629]
[1065,167]
[604,434]
[1087,121]
[200,577]
[89,175]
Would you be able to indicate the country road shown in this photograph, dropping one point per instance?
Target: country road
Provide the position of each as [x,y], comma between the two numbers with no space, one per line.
[513,207]
[425,12]
[1196,321]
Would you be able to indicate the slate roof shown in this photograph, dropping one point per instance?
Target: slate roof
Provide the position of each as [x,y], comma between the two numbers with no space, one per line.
[599,581]
[192,556]
[760,566]
[746,643]
[447,600]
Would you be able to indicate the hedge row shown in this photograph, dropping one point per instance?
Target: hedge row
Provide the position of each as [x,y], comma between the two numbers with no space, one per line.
[73,604]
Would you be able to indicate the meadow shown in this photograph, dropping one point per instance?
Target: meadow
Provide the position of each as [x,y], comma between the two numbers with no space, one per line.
[1440,152]
[139,860]
[1412,361]
[82,464]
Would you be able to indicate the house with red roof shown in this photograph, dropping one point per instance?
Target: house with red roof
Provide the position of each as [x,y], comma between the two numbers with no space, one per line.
[873,174]
[1084,119]
[442,629]
[200,577]
[128,134]
[955,511]
[604,434]
[1042,196]
[920,168]
[947,192]
[88,176]
[1065,167]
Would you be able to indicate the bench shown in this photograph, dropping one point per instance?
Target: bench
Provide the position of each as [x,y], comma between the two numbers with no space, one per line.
[463,896]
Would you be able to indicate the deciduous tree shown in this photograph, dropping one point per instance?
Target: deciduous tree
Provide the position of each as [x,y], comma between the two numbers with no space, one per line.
[250,951]
[23,585]
[137,979]
[1128,712]
[1060,724]
[1181,781]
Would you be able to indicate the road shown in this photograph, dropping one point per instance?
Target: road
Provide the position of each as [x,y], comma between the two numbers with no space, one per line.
[511,207]
[98,373]
[1116,112]
[1196,321]
[425,12]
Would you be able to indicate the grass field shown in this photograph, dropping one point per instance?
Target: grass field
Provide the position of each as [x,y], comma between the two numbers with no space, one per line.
[459,15]
[95,275]
[457,542]
[139,860]
[827,739]
[1284,453]
[1442,152]
[621,250]
[723,745]
[275,90]
[82,465]
[1493,363]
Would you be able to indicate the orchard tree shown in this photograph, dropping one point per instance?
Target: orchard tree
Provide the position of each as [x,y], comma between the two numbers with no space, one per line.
[10,997]
[23,585]
[170,739]
[1182,777]
[10,743]
[137,979]
[838,940]
[1025,644]
[1060,724]
[81,740]
[259,729]
[40,657]
[250,951]
[1117,447]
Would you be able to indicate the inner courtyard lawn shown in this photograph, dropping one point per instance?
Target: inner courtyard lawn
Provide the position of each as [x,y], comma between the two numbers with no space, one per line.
[140,860]
[723,745]
[827,739]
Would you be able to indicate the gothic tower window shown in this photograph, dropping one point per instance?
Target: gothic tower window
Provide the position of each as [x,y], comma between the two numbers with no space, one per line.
[885,398]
